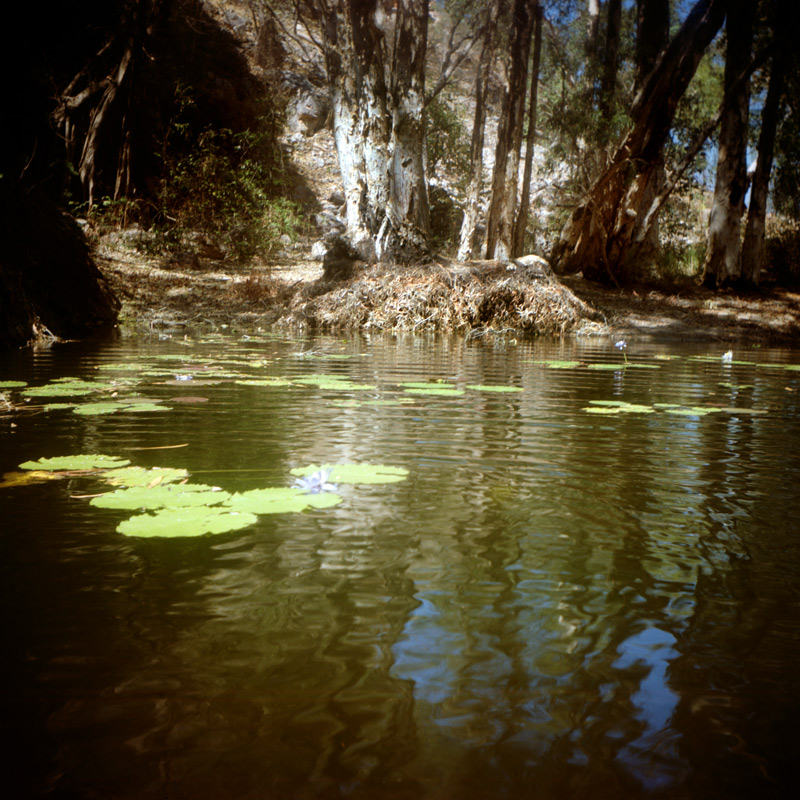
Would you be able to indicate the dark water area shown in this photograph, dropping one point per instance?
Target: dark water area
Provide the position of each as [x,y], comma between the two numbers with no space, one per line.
[556,603]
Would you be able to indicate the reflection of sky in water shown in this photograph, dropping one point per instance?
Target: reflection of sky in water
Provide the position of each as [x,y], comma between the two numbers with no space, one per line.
[655,704]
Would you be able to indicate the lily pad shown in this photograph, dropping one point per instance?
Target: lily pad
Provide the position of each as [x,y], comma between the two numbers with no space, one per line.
[617,407]
[169,495]
[558,364]
[280,500]
[265,382]
[141,476]
[356,473]
[92,409]
[492,388]
[691,411]
[182,522]
[114,406]
[432,389]
[624,365]
[335,383]
[82,462]
[64,389]
[12,384]
[400,401]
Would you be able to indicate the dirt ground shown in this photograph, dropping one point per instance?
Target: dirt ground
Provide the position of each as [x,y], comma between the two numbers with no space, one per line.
[158,294]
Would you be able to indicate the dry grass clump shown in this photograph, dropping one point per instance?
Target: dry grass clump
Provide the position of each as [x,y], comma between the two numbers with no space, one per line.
[483,297]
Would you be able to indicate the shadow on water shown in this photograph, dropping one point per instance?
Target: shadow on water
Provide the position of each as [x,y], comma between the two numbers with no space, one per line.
[555,603]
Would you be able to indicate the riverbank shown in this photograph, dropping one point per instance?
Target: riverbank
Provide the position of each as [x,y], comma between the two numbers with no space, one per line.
[482,298]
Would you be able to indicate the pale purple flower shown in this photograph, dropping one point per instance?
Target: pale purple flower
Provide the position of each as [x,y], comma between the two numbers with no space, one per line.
[316,482]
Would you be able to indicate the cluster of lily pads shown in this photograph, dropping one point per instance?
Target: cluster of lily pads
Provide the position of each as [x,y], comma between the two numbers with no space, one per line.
[169,505]
[121,394]
[622,407]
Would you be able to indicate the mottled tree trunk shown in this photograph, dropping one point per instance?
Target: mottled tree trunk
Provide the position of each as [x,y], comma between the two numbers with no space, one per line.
[408,215]
[723,251]
[505,180]
[753,246]
[521,222]
[608,83]
[598,235]
[652,38]
[470,221]
[378,122]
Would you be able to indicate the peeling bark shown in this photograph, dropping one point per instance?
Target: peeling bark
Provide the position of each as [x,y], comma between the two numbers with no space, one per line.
[599,233]
[377,91]
[723,252]
[470,221]
[753,246]
[521,222]
[505,180]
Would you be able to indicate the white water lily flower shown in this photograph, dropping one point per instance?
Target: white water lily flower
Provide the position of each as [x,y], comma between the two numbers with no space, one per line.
[727,358]
[316,482]
[621,344]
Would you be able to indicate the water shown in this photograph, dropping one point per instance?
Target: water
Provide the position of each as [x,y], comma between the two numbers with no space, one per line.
[554,604]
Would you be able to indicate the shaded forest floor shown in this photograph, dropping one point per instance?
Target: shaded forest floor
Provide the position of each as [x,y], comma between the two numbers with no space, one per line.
[158,294]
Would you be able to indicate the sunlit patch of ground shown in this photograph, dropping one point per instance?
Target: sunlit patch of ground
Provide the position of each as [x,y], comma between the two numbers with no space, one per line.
[467,298]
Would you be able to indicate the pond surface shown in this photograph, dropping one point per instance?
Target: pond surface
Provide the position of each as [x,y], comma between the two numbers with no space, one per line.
[564,598]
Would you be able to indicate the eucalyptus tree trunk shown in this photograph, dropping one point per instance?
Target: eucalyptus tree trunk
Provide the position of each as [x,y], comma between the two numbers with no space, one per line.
[521,222]
[406,225]
[723,251]
[598,234]
[753,245]
[611,58]
[505,180]
[652,38]
[375,64]
[470,221]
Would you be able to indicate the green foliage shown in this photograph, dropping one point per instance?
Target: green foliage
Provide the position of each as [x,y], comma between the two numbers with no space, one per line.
[783,249]
[447,142]
[699,103]
[228,186]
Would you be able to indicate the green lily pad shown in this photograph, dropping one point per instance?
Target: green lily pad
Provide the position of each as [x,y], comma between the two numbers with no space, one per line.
[63,389]
[492,388]
[617,407]
[265,382]
[169,495]
[140,476]
[58,406]
[91,409]
[355,473]
[137,408]
[441,389]
[280,500]
[181,522]
[400,401]
[558,364]
[12,384]
[693,411]
[114,406]
[334,383]
[82,462]
[624,365]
